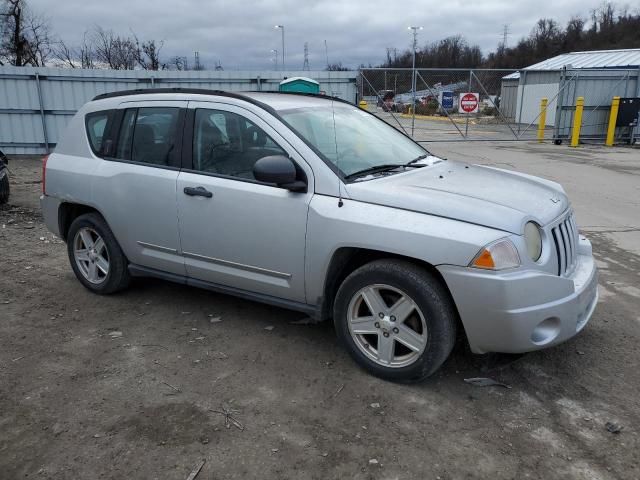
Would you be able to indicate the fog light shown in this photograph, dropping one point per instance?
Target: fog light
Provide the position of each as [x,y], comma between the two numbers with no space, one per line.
[546,331]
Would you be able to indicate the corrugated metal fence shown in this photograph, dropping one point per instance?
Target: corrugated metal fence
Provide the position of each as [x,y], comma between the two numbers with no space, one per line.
[561,88]
[597,87]
[36,103]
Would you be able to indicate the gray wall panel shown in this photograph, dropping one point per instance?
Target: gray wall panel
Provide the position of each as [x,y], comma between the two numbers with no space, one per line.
[65,90]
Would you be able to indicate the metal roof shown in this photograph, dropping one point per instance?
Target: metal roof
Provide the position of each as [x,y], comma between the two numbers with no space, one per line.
[293,79]
[592,59]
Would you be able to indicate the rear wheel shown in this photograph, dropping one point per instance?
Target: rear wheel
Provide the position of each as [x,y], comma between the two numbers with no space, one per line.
[4,185]
[95,256]
[396,320]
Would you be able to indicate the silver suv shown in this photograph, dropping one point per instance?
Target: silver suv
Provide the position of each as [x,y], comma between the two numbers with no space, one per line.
[312,204]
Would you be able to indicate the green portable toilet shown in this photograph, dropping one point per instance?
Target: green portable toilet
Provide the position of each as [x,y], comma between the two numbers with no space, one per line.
[300,85]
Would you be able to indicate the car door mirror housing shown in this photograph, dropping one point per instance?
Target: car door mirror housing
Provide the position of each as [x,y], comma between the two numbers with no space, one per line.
[280,170]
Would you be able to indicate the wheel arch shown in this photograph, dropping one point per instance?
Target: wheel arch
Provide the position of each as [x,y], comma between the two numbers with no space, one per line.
[68,212]
[347,259]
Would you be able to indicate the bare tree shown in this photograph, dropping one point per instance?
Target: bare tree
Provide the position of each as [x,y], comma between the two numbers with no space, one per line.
[114,51]
[25,38]
[178,63]
[336,67]
[148,54]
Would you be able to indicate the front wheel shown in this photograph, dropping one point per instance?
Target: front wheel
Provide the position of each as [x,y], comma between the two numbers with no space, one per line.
[396,319]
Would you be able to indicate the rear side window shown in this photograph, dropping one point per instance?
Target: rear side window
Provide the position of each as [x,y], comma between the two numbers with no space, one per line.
[96,123]
[149,135]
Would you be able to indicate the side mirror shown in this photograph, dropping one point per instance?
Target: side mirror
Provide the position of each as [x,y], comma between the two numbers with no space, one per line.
[280,170]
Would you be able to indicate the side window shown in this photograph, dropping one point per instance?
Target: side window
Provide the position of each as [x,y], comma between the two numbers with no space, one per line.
[149,135]
[96,123]
[229,144]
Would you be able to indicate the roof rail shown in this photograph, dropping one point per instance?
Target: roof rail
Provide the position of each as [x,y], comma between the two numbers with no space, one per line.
[141,91]
[204,91]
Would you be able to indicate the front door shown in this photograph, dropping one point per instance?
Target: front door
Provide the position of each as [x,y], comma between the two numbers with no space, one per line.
[236,231]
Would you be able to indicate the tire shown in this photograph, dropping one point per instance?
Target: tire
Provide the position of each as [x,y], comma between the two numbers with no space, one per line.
[4,188]
[88,259]
[432,321]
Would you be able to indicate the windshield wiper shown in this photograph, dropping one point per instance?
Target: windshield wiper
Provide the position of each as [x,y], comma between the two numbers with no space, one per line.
[415,160]
[386,167]
[374,169]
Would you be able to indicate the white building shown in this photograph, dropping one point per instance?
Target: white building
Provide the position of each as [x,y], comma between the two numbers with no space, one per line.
[595,75]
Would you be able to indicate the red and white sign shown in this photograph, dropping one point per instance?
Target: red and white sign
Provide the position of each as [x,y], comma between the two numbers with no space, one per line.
[469,102]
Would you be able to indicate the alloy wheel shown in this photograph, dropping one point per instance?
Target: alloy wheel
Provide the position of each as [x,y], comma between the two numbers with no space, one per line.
[387,326]
[91,255]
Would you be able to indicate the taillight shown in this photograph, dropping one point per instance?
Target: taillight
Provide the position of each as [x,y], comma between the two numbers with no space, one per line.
[44,174]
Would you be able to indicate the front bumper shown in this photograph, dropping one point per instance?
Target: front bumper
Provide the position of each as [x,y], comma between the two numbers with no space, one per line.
[523,311]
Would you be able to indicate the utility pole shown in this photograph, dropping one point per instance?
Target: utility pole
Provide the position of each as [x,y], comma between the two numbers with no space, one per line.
[326,53]
[281,27]
[505,35]
[305,65]
[413,80]
[196,59]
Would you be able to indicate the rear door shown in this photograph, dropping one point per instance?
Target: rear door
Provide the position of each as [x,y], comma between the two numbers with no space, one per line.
[235,231]
[135,186]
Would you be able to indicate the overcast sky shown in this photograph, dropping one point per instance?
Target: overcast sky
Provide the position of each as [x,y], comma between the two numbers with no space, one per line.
[240,33]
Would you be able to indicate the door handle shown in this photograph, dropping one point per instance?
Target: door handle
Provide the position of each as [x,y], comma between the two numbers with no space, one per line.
[197,192]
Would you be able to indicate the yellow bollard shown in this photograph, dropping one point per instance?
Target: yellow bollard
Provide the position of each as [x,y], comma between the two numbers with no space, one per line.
[363,104]
[613,118]
[577,122]
[543,120]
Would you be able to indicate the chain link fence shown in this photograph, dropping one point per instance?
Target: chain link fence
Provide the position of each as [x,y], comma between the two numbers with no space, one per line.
[504,105]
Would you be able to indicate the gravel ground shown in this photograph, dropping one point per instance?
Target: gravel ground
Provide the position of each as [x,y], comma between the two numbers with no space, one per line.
[153,381]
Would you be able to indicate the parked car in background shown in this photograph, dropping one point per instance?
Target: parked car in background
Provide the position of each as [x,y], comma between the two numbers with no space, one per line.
[4,178]
[310,203]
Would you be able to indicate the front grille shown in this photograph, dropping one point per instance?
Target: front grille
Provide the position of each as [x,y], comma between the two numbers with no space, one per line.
[565,239]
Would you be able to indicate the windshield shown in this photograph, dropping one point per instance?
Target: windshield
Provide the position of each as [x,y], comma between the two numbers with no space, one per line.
[359,140]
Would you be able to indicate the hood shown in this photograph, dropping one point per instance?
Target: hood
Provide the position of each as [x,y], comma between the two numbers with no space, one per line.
[487,196]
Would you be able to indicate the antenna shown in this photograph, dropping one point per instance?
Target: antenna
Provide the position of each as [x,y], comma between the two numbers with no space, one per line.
[305,65]
[335,133]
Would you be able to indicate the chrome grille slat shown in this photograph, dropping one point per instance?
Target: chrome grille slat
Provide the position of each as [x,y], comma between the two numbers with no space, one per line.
[568,244]
[572,240]
[565,238]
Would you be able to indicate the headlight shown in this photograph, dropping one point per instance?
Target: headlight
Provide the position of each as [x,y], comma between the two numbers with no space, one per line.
[533,239]
[497,256]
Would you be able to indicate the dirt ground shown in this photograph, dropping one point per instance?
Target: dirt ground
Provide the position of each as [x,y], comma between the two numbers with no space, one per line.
[149,383]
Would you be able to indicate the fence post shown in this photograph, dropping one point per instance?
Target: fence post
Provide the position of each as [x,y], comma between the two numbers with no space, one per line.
[559,104]
[636,130]
[466,125]
[613,118]
[542,122]
[523,77]
[42,118]
[577,122]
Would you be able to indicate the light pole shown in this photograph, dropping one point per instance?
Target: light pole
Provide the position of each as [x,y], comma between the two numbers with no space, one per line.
[281,27]
[275,57]
[413,80]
